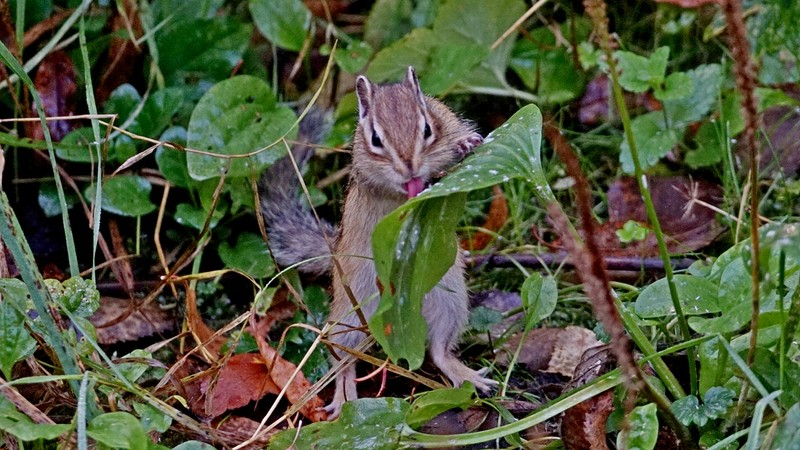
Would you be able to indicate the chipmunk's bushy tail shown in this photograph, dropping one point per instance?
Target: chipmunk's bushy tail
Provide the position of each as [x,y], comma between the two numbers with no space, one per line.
[295,234]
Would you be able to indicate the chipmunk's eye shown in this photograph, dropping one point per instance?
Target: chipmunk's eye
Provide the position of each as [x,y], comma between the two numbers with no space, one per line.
[427,132]
[376,141]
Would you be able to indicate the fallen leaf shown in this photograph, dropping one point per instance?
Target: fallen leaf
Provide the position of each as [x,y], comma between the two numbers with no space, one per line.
[682,206]
[584,425]
[201,332]
[551,350]
[495,219]
[124,320]
[262,378]
[55,83]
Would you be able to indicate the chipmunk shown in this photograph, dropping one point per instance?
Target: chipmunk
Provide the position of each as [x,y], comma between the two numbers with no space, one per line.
[403,140]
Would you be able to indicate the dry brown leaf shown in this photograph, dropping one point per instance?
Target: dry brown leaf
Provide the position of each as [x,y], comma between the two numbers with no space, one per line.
[552,350]
[679,203]
[55,83]
[584,425]
[199,329]
[496,218]
[122,320]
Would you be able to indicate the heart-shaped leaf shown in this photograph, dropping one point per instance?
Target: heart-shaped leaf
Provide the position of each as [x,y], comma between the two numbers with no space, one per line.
[235,117]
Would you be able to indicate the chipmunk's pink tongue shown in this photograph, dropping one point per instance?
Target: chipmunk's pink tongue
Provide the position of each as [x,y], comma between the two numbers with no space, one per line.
[413,187]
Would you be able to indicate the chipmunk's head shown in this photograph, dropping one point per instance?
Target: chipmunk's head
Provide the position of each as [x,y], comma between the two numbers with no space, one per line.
[405,139]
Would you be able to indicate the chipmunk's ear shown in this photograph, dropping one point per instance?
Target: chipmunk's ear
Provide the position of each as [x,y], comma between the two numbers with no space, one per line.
[413,83]
[364,94]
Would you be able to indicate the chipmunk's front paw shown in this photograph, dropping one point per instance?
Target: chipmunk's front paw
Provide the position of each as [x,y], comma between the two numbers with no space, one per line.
[468,144]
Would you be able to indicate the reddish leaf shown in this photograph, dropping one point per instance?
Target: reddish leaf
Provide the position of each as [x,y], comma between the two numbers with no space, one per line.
[229,392]
[498,214]
[584,425]
[55,82]
[593,106]
[682,208]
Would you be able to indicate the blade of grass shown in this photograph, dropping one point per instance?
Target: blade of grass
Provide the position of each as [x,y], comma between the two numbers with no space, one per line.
[15,241]
[758,417]
[597,11]
[90,102]
[11,62]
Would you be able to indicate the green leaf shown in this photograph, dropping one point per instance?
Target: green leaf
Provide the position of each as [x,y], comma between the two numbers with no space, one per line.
[653,141]
[787,433]
[218,44]
[354,56]
[391,63]
[152,418]
[408,275]
[546,69]
[677,86]
[76,146]
[388,21]
[481,318]
[48,199]
[194,445]
[510,152]
[640,74]
[432,403]
[539,295]
[190,216]
[134,370]
[697,296]
[689,411]
[643,428]
[250,255]
[80,296]
[23,428]
[366,423]
[631,231]
[125,195]
[237,116]
[463,22]
[705,85]
[118,429]
[448,64]
[122,101]
[15,341]
[157,111]
[171,162]
[283,22]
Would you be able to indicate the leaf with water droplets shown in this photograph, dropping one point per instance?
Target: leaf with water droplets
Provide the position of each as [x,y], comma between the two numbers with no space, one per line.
[414,246]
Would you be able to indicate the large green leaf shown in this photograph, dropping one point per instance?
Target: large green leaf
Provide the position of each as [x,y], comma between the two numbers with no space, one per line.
[366,423]
[391,63]
[653,140]
[697,296]
[283,22]
[15,341]
[237,116]
[510,152]
[118,430]
[427,236]
[643,429]
[23,428]
[126,195]
[250,255]
[217,47]
[539,296]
